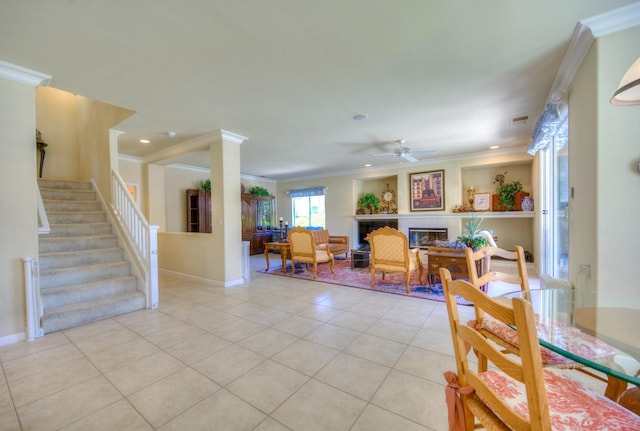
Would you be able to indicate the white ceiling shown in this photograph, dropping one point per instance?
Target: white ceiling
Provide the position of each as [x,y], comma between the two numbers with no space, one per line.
[290,74]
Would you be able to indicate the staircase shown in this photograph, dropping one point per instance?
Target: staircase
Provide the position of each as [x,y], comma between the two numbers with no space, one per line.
[83,274]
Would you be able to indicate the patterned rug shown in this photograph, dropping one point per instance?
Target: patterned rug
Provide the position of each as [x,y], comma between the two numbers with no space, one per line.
[361,278]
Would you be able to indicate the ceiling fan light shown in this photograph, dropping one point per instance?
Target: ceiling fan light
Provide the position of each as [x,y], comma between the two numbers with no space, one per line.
[628,92]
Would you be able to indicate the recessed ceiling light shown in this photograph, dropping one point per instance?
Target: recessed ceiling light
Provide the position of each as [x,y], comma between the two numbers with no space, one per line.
[145,141]
[360,117]
[494,147]
[367,165]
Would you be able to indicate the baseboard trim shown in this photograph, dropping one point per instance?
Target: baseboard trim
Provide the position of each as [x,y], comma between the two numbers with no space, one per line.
[234,282]
[12,339]
[193,277]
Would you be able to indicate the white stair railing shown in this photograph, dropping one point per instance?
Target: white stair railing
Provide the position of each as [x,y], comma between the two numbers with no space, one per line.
[43,220]
[143,237]
[32,298]
[31,274]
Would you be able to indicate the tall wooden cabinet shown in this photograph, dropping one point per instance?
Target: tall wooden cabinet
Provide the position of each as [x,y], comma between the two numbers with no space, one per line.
[257,220]
[198,211]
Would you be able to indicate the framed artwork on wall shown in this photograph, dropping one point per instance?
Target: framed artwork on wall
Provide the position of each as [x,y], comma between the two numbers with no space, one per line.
[482,202]
[427,191]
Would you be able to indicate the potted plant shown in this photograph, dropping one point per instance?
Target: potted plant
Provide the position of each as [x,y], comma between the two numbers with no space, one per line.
[369,201]
[206,184]
[508,194]
[470,235]
[259,191]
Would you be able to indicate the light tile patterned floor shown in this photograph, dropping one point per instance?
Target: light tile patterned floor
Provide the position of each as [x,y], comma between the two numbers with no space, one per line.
[274,354]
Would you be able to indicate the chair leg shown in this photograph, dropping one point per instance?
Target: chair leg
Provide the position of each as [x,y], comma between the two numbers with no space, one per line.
[331,262]
[315,270]
[373,277]
[406,281]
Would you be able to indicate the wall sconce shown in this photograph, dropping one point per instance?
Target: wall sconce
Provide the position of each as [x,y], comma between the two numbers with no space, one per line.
[628,92]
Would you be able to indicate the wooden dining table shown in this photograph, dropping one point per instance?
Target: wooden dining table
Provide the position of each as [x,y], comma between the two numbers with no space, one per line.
[608,316]
[284,248]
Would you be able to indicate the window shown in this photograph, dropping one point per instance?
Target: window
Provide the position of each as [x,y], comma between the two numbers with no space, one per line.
[308,211]
[308,207]
[550,137]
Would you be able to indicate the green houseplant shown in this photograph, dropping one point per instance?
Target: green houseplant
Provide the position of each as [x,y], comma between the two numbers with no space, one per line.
[369,201]
[470,235]
[507,194]
[206,184]
[259,191]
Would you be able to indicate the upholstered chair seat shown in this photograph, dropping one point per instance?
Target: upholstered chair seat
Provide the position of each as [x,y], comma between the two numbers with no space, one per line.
[390,253]
[304,250]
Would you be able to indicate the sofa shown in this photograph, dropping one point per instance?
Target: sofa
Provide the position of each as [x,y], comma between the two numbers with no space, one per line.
[338,244]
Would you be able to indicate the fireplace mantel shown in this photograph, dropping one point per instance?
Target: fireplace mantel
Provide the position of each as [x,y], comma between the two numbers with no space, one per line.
[491,214]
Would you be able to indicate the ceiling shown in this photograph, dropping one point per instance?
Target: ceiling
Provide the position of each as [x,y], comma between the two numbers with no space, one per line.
[290,75]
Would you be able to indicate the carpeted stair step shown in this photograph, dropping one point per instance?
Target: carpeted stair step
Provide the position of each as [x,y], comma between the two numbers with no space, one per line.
[84,274]
[69,243]
[68,316]
[66,205]
[65,259]
[62,296]
[70,194]
[74,217]
[79,229]
[67,185]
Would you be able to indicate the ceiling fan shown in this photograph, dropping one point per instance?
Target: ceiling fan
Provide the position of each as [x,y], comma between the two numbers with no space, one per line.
[405,152]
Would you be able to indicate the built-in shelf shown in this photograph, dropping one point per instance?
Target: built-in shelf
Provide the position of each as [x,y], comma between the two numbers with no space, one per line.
[487,215]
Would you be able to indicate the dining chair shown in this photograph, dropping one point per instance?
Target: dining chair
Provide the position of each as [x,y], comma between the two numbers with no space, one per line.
[390,253]
[304,250]
[516,394]
[506,337]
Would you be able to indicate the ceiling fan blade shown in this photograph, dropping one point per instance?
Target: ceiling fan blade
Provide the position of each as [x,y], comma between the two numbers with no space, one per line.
[424,153]
[384,154]
[409,158]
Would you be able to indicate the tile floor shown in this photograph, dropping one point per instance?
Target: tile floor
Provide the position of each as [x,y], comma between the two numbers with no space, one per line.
[273,354]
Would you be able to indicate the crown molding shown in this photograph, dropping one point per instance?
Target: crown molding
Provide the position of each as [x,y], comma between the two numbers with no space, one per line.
[23,75]
[584,34]
[614,21]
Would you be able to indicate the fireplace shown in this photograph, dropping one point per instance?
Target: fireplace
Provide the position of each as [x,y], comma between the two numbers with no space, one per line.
[367,226]
[424,237]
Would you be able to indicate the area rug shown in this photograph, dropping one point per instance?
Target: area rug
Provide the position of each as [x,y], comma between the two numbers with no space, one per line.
[361,278]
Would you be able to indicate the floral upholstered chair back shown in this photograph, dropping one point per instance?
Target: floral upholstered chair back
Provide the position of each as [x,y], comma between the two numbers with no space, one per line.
[304,249]
[389,247]
[302,242]
[390,253]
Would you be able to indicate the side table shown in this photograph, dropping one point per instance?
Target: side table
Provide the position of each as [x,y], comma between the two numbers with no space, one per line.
[285,252]
[359,258]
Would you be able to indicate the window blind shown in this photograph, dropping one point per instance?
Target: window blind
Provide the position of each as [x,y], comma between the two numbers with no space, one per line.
[552,123]
[309,191]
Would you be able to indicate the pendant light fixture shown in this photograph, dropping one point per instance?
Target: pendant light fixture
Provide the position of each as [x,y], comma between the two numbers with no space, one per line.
[628,92]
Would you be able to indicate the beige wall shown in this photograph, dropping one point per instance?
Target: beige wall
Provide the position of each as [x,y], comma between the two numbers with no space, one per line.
[94,121]
[618,179]
[57,119]
[176,181]
[216,257]
[18,220]
[583,172]
[132,174]
[344,191]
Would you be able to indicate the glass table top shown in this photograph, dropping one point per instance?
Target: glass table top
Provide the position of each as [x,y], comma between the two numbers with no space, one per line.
[611,318]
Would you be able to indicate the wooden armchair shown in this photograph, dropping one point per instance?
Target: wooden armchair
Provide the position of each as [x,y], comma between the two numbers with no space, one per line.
[304,250]
[390,253]
[516,394]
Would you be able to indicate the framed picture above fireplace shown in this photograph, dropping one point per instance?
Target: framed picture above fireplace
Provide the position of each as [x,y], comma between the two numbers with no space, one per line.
[427,191]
